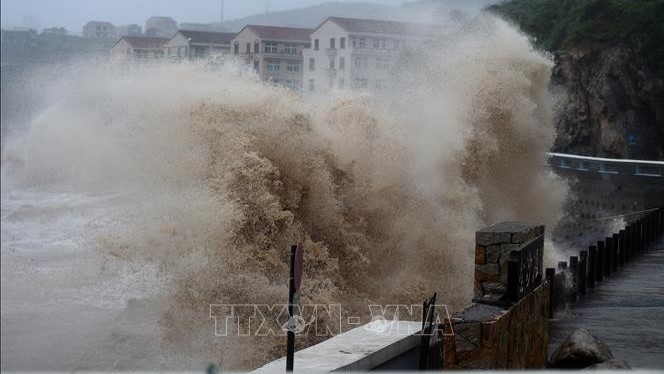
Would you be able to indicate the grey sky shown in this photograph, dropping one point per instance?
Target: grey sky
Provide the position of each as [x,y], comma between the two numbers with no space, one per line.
[72,14]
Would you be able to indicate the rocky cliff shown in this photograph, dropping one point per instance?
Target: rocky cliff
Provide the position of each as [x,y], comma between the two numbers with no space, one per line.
[608,74]
[610,104]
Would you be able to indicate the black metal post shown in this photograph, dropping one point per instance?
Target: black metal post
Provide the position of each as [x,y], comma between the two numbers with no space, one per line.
[513,280]
[583,272]
[622,247]
[614,249]
[550,274]
[630,242]
[290,342]
[608,254]
[592,266]
[574,271]
[599,274]
[562,292]
[639,238]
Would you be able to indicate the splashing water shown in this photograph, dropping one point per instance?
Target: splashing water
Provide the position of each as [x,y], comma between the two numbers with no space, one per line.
[214,174]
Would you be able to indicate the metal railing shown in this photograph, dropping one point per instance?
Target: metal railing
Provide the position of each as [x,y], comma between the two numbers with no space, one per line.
[603,259]
[607,165]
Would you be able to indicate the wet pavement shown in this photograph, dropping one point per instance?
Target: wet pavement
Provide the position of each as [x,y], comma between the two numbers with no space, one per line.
[626,311]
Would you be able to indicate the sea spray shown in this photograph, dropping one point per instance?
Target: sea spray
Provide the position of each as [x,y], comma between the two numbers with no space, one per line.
[219,173]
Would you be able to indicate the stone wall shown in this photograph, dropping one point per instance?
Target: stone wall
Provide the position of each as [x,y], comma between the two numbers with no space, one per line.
[494,245]
[496,332]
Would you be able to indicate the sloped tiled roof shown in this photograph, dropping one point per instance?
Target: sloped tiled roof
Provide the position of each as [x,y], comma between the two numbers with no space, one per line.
[381,26]
[282,33]
[208,37]
[144,41]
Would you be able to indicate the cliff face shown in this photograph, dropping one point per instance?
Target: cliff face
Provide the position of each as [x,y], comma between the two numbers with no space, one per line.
[610,105]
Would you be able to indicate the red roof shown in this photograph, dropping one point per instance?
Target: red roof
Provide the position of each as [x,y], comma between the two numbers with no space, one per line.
[281,33]
[145,42]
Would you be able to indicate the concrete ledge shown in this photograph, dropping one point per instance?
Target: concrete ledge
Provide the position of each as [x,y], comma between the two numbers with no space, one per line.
[362,348]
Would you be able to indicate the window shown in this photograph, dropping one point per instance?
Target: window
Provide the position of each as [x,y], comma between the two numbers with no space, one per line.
[361,62]
[332,63]
[361,83]
[270,47]
[290,49]
[362,42]
[293,84]
[397,44]
[273,65]
[332,43]
[257,47]
[256,65]
[311,84]
[293,66]
[312,64]
[380,84]
[376,43]
[342,63]
[248,48]
[342,42]
[342,82]
[236,48]
[315,44]
[382,63]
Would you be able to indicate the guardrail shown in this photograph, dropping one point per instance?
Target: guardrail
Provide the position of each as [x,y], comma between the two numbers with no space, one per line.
[644,168]
[601,260]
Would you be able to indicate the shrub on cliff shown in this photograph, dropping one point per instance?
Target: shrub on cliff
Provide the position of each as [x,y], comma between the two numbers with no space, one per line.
[561,24]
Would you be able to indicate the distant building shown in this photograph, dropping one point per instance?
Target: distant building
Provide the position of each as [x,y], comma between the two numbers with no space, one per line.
[129,30]
[162,27]
[99,30]
[55,31]
[18,45]
[190,44]
[138,48]
[275,53]
[349,53]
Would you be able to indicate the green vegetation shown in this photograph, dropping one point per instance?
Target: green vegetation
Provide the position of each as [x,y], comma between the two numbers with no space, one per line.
[559,24]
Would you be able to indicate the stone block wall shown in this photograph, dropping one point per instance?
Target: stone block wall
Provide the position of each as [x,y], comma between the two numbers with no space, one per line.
[497,332]
[493,246]
[490,337]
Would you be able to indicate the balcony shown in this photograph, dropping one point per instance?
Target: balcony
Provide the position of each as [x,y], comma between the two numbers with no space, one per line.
[331,52]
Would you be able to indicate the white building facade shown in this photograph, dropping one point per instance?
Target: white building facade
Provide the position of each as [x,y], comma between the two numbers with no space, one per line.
[100,30]
[275,53]
[198,45]
[358,54]
[138,48]
[161,27]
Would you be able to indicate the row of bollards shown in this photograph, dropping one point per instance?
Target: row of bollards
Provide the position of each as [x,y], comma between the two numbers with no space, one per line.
[602,260]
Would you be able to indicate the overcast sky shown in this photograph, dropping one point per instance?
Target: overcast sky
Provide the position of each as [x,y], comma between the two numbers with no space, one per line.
[73,14]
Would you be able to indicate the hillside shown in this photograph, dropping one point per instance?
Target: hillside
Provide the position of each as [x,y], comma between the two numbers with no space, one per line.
[312,16]
[609,75]
[560,24]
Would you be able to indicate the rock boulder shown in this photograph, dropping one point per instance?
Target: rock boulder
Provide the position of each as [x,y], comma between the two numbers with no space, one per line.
[580,350]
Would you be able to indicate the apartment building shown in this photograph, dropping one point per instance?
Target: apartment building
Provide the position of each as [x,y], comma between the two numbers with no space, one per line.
[130,30]
[196,45]
[138,48]
[99,30]
[349,53]
[274,52]
[161,27]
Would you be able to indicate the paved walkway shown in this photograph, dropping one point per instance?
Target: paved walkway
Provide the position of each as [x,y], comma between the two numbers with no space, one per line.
[626,311]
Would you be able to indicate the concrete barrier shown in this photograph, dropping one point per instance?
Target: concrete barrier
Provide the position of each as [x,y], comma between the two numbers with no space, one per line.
[379,345]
